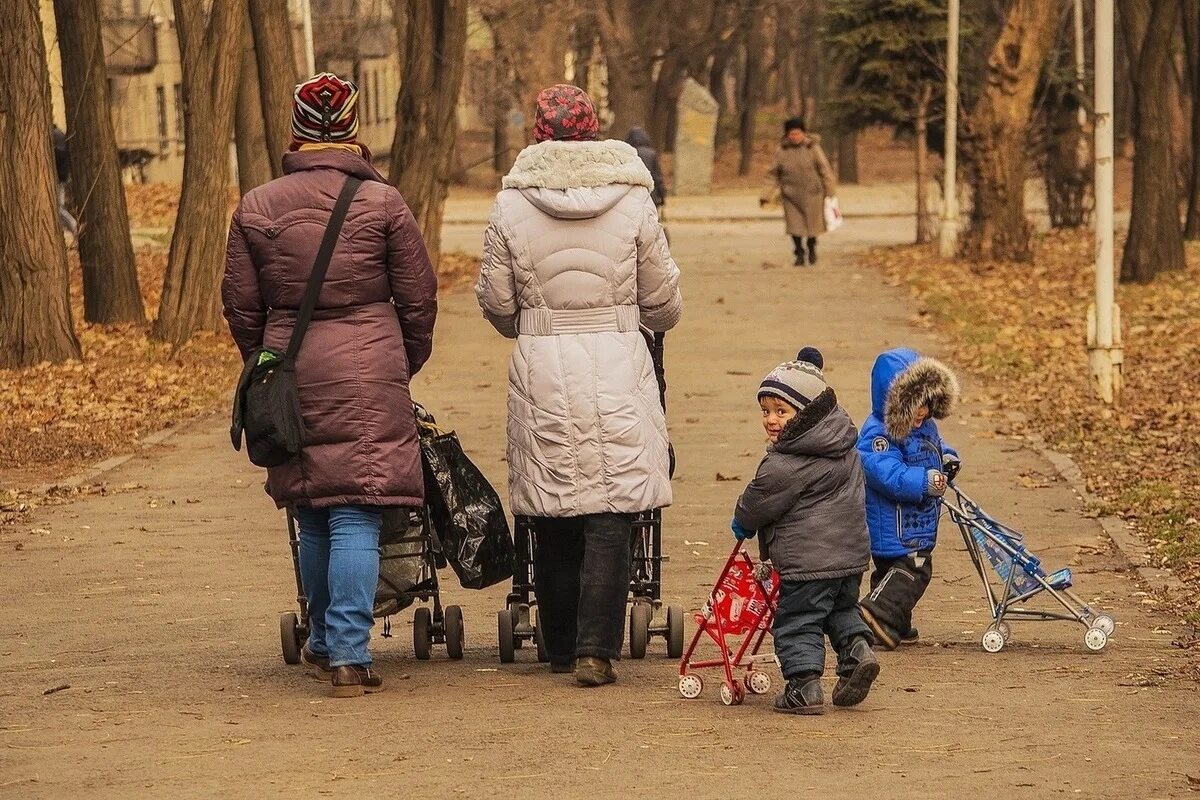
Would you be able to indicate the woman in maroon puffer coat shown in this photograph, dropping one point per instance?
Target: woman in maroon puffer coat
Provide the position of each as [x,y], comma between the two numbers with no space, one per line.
[371,332]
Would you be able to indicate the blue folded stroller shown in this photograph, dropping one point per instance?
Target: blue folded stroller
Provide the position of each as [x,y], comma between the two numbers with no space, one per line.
[995,547]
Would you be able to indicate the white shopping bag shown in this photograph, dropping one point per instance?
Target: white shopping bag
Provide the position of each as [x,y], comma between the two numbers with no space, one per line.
[833,214]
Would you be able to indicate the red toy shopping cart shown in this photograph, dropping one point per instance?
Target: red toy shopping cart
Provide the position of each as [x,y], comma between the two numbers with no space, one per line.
[742,604]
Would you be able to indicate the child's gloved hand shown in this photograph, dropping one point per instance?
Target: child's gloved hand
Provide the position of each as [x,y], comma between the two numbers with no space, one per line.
[740,533]
[951,465]
[935,483]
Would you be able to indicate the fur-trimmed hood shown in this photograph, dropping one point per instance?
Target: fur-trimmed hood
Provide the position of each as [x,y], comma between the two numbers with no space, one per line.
[578,165]
[822,429]
[902,381]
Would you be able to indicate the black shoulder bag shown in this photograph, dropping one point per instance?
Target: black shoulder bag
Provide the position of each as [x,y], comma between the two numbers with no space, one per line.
[266,403]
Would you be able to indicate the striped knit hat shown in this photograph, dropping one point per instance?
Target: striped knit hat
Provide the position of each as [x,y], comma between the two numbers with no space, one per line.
[797,383]
[324,109]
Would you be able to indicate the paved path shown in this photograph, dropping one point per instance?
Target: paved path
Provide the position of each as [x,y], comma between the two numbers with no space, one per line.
[158,603]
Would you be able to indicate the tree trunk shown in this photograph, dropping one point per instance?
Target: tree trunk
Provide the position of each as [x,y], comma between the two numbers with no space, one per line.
[585,46]
[925,227]
[277,75]
[1068,167]
[1155,241]
[996,132]
[752,83]
[667,89]
[848,157]
[111,294]
[630,35]
[432,72]
[210,52]
[249,130]
[1191,38]
[35,311]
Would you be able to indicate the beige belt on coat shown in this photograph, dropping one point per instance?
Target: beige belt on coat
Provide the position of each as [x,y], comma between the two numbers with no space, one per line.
[553,322]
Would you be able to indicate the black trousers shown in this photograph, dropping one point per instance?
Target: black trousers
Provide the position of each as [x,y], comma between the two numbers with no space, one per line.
[581,576]
[798,243]
[808,612]
[897,585]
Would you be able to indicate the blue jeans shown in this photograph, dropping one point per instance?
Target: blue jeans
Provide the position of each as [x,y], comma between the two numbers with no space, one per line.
[339,565]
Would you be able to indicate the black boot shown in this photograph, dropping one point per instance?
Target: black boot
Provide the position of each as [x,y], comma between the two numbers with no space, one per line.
[812,249]
[802,695]
[910,637]
[857,671]
[798,249]
[886,637]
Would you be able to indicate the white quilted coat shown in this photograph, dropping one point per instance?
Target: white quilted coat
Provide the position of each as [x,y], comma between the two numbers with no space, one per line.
[574,261]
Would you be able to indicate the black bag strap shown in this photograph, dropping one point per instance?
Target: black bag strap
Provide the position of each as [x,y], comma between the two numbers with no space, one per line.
[320,267]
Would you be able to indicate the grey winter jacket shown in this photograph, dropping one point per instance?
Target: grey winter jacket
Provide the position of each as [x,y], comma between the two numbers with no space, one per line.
[808,500]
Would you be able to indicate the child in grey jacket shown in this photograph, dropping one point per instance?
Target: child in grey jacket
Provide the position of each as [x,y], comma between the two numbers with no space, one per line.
[807,505]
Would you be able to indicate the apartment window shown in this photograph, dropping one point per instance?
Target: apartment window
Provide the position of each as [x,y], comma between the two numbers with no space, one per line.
[160,99]
[179,130]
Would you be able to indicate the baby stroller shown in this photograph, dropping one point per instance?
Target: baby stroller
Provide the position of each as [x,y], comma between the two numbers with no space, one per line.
[996,547]
[515,623]
[409,558]
[742,603]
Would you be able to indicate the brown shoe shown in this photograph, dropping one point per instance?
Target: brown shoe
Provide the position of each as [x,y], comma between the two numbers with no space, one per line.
[884,638]
[318,665]
[592,671]
[355,680]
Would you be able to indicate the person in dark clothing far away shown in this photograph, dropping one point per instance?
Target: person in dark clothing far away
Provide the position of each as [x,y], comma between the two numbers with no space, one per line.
[62,169]
[645,149]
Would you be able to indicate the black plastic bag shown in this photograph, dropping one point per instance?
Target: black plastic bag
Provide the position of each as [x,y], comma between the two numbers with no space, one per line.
[466,512]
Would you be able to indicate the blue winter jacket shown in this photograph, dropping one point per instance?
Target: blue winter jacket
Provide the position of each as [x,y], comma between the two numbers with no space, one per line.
[901,516]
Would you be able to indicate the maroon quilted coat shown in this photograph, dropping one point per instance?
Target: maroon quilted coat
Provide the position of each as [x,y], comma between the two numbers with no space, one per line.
[372,330]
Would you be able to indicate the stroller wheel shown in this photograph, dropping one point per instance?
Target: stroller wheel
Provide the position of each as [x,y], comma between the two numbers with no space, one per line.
[674,632]
[1104,622]
[690,686]
[289,637]
[504,633]
[422,640]
[732,695]
[639,629]
[1095,639]
[455,632]
[758,682]
[993,640]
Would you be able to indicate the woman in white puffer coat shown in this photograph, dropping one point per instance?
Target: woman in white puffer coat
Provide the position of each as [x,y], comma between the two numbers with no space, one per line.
[575,261]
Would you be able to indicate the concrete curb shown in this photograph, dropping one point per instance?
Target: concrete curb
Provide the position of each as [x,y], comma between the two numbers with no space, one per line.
[98,470]
[1130,546]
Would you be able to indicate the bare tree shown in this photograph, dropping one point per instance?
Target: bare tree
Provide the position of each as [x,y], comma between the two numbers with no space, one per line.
[434,54]
[249,129]
[210,50]
[996,132]
[111,294]
[755,44]
[1155,241]
[1191,38]
[531,39]
[277,75]
[632,33]
[35,314]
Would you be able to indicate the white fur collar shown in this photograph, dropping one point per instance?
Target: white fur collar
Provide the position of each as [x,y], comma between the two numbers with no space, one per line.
[568,165]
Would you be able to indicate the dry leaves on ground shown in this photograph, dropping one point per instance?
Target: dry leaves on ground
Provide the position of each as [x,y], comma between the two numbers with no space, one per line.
[1022,328]
[59,418]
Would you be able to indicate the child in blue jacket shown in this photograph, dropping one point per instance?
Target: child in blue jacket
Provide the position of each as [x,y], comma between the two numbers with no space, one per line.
[907,466]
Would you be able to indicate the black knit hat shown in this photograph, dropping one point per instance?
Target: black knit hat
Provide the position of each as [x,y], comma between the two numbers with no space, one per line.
[794,124]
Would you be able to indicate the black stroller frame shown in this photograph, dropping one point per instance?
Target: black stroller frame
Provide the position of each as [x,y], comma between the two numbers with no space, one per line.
[439,625]
[517,622]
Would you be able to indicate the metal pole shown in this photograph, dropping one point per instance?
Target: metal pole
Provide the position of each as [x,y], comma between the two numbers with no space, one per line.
[310,65]
[1104,318]
[948,231]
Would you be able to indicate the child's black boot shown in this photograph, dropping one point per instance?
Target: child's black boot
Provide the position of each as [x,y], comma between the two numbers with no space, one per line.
[857,670]
[802,695]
